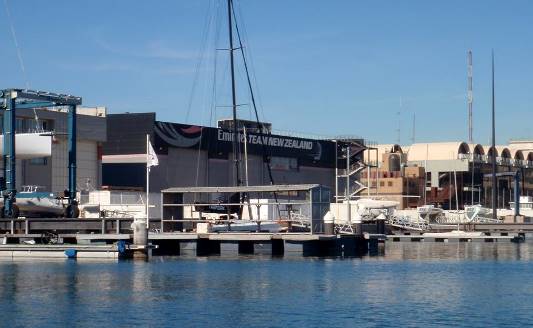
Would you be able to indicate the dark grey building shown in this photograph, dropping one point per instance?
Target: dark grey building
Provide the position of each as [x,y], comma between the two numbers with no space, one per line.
[191,155]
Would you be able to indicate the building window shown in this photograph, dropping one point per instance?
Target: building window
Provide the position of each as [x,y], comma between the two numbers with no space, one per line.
[39,161]
[382,184]
[389,183]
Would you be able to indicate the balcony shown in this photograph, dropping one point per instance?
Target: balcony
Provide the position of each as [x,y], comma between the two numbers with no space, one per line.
[503,161]
[475,157]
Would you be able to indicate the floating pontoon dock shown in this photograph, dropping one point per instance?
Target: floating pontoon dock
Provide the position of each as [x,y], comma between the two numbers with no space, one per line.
[105,233]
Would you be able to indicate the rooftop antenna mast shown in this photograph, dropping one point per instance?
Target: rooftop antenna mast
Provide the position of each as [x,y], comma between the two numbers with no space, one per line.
[470,99]
[399,113]
[414,128]
[236,163]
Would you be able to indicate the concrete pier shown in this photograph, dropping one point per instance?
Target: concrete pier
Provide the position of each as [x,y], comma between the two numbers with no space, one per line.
[232,244]
[453,238]
[110,232]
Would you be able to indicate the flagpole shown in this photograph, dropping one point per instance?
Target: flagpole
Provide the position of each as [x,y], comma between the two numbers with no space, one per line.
[147,180]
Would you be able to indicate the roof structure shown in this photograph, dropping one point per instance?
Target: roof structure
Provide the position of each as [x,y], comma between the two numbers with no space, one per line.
[523,147]
[477,149]
[518,150]
[504,151]
[248,189]
[437,151]
[490,151]
[517,154]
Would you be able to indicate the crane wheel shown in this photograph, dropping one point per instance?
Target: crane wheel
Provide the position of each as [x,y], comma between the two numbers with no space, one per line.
[13,214]
[72,211]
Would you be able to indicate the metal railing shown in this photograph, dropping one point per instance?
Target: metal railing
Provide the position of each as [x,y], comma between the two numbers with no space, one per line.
[75,226]
[122,198]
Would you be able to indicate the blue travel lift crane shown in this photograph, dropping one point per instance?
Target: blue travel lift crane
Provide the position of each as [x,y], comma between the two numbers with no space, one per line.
[14,99]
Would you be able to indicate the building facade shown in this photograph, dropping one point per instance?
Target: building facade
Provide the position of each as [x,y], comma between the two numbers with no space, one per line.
[454,174]
[51,173]
[191,155]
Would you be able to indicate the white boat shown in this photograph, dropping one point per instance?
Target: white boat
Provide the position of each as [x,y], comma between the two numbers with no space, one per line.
[33,203]
[376,204]
[429,210]
[30,145]
[247,226]
[430,214]
[365,209]
[478,213]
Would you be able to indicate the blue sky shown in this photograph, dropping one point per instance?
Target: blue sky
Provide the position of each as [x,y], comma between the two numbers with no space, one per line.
[320,67]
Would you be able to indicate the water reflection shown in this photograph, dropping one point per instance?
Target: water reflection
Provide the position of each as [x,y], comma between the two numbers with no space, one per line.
[412,284]
[458,251]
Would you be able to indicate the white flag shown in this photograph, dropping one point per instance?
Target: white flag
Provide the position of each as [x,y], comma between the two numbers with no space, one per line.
[152,157]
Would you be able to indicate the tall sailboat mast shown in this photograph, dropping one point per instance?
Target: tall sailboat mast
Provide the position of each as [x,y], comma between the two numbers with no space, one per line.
[236,163]
[494,183]
[470,100]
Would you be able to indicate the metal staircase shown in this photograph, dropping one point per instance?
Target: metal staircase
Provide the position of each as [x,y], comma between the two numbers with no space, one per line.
[349,164]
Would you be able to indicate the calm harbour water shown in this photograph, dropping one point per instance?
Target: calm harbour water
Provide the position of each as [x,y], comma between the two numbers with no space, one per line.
[413,284]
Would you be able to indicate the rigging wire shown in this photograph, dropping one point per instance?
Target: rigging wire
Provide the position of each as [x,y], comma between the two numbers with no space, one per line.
[251,62]
[201,55]
[212,106]
[20,60]
[266,156]
[211,14]
[17,47]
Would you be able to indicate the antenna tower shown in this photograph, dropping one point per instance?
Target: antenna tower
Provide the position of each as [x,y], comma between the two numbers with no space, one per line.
[414,128]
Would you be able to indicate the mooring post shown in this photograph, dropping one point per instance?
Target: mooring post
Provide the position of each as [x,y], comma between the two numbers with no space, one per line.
[329,223]
[140,239]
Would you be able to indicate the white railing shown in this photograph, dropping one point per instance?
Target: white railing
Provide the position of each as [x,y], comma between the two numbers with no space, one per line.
[503,160]
[409,223]
[518,162]
[465,156]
